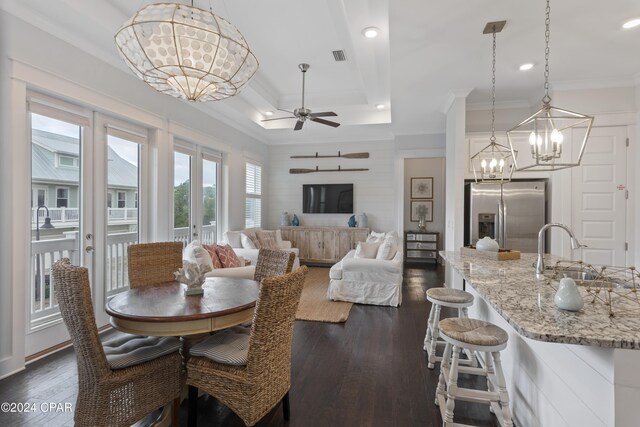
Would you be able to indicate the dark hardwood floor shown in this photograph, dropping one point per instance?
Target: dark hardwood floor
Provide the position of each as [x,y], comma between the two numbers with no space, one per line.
[369,371]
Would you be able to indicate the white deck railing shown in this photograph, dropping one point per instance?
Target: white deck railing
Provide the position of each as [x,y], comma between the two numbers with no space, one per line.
[71,215]
[44,307]
[207,237]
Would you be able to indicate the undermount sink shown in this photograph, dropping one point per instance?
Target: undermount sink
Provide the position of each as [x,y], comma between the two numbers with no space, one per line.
[586,278]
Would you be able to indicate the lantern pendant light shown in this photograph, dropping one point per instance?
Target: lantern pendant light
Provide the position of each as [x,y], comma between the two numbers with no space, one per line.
[494,163]
[545,133]
[186,52]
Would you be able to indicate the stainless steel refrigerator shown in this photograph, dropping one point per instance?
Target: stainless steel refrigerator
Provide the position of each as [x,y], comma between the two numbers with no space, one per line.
[511,213]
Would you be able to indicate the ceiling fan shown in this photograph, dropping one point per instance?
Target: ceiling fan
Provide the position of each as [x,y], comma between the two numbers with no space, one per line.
[304,114]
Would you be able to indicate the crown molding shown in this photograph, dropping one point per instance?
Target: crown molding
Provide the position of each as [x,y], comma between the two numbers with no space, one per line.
[502,105]
[595,84]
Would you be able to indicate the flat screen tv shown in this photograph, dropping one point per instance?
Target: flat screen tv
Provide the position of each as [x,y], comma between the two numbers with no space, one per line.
[327,198]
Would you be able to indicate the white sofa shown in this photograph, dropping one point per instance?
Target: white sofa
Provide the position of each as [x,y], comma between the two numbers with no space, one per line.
[367,281]
[232,238]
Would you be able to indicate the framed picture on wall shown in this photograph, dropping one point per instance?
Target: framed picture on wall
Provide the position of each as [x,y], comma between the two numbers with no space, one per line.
[421,207]
[422,188]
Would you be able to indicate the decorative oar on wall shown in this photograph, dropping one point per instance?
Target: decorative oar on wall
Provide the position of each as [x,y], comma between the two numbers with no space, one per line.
[344,156]
[327,170]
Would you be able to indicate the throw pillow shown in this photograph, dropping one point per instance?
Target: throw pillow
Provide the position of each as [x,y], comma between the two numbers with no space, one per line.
[247,243]
[232,238]
[375,237]
[194,252]
[251,234]
[214,255]
[279,238]
[267,239]
[366,250]
[227,256]
[388,248]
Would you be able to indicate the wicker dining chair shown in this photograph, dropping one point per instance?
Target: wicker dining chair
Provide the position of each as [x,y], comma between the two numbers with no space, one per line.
[272,262]
[153,263]
[106,396]
[252,389]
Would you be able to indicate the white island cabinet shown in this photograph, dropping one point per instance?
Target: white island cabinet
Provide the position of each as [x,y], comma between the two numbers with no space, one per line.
[562,368]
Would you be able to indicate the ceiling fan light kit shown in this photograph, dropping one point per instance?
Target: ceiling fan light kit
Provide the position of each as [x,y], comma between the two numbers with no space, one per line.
[543,134]
[495,162]
[186,52]
[303,114]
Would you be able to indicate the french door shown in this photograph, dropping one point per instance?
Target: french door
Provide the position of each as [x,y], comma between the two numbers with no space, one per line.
[196,195]
[77,158]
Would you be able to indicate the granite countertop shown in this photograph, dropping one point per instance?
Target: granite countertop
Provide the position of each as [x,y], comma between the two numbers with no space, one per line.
[512,289]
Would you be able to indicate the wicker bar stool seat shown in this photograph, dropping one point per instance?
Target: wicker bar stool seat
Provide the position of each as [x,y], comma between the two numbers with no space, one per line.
[480,336]
[444,297]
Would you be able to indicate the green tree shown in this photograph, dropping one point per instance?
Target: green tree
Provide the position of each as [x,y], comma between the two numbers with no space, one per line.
[209,205]
[181,205]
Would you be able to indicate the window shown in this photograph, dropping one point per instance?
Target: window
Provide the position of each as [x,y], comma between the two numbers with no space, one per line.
[62,197]
[253,200]
[122,199]
[135,200]
[109,200]
[67,161]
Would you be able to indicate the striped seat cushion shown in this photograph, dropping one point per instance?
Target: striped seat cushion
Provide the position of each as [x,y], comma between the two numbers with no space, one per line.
[127,350]
[229,346]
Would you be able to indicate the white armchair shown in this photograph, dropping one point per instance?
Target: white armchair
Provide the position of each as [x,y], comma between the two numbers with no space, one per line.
[367,281]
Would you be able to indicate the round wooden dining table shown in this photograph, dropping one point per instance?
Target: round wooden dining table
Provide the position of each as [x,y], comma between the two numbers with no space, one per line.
[165,310]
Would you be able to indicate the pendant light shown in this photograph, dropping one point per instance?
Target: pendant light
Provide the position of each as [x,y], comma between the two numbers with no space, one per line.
[544,133]
[186,52]
[494,163]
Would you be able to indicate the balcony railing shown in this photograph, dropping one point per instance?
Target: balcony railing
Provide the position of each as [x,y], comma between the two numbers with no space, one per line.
[207,237]
[44,307]
[71,215]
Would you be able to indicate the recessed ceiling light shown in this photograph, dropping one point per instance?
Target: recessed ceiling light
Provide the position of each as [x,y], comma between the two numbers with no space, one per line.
[370,32]
[379,106]
[631,24]
[527,66]
[268,113]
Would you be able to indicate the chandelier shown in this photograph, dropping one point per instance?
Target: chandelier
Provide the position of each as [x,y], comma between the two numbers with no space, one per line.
[545,131]
[494,163]
[186,52]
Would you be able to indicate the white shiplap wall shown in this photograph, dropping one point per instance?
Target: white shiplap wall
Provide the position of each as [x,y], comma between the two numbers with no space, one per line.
[373,189]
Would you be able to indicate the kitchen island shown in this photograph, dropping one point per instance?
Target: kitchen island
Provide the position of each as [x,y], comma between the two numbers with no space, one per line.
[562,368]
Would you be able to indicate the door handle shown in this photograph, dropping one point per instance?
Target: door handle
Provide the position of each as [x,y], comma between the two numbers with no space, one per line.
[89,249]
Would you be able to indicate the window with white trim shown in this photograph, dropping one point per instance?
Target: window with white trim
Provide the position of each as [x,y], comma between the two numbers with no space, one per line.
[62,197]
[253,196]
[122,199]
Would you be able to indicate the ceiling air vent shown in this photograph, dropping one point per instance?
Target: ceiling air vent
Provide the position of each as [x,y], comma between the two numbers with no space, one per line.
[338,55]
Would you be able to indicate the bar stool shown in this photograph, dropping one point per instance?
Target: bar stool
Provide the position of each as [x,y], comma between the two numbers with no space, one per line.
[444,297]
[476,335]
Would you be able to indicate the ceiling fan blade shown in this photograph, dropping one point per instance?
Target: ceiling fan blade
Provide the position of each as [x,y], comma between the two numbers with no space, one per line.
[298,125]
[325,114]
[324,122]
[286,111]
[278,118]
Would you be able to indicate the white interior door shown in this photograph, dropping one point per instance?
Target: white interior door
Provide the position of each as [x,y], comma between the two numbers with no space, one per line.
[599,196]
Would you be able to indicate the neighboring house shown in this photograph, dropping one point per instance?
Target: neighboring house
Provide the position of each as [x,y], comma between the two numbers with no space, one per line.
[55,176]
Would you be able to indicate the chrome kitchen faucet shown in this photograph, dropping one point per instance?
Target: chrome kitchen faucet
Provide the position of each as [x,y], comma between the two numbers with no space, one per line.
[574,244]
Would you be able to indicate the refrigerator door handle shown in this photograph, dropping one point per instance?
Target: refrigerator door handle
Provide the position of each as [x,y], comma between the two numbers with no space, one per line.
[504,225]
[500,224]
